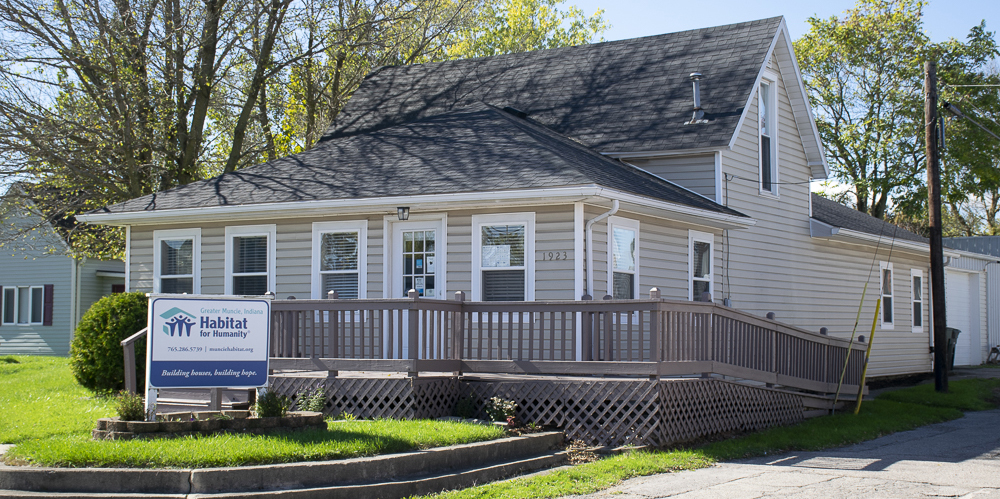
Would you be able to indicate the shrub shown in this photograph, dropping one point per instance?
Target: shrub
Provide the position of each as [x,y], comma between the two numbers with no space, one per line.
[271,405]
[499,409]
[131,406]
[314,400]
[96,353]
[466,407]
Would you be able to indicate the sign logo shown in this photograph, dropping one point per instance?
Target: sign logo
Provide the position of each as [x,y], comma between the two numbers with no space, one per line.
[177,322]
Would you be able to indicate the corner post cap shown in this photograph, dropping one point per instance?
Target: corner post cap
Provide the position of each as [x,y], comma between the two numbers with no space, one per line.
[412,294]
[609,297]
[332,295]
[459,295]
[770,315]
[824,331]
[654,293]
[586,297]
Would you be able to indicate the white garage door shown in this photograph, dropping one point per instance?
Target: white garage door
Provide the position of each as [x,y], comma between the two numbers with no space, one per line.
[960,313]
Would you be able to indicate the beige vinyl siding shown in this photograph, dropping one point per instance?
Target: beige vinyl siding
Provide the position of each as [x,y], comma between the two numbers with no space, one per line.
[663,255]
[777,267]
[695,172]
[94,287]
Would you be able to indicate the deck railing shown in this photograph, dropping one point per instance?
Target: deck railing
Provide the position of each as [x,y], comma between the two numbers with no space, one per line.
[652,337]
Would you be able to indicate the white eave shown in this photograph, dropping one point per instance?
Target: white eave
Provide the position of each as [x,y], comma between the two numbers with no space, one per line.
[805,122]
[823,230]
[423,203]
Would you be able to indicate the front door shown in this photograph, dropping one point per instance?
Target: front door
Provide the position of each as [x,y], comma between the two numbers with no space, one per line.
[417,261]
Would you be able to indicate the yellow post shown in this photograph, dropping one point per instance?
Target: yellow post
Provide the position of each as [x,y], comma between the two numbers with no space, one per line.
[868,355]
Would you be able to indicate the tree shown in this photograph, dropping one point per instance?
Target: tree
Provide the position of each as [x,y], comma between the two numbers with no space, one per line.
[864,73]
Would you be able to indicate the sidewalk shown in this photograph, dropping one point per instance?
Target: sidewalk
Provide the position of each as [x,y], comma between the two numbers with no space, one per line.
[959,458]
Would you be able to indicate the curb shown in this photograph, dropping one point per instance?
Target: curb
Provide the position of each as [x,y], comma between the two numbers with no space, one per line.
[286,478]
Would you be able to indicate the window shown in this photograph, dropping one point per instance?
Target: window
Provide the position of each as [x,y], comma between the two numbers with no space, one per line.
[250,260]
[700,266]
[339,259]
[885,284]
[23,305]
[767,97]
[623,258]
[177,261]
[917,294]
[503,256]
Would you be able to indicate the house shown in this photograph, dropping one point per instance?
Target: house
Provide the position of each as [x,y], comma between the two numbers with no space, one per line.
[680,162]
[976,270]
[43,288]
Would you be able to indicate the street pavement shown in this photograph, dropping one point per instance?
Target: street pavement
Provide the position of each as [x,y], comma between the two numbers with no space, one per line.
[959,458]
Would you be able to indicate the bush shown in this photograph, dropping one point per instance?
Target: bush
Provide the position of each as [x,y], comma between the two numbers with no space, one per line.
[498,409]
[96,352]
[466,407]
[271,405]
[314,400]
[131,406]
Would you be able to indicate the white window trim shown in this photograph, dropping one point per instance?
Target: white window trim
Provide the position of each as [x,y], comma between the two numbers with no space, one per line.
[882,266]
[173,234]
[268,230]
[630,224]
[17,303]
[703,237]
[771,79]
[917,273]
[320,228]
[478,221]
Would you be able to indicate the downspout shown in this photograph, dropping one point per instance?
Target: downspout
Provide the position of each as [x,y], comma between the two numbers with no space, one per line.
[73,273]
[588,239]
[76,300]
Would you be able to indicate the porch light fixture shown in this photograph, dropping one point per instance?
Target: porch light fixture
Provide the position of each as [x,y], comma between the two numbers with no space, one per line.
[403,212]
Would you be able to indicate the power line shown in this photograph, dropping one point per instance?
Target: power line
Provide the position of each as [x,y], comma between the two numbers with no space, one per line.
[953,109]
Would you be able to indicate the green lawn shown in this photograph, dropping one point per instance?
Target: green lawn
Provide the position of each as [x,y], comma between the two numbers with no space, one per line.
[50,418]
[889,413]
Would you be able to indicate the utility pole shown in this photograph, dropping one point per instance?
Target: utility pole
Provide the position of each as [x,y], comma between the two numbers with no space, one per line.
[934,213]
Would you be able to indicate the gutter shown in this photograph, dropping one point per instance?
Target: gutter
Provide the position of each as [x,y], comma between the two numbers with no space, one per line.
[434,202]
[821,230]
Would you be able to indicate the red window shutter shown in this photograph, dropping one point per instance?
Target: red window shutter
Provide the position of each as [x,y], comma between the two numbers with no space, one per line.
[47,306]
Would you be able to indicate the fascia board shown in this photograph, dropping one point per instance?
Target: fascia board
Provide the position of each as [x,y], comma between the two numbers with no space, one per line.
[857,237]
[756,83]
[664,154]
[821,159]
[434,202]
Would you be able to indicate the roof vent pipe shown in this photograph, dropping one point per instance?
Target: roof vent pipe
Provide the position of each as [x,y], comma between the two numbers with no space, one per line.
[699,115]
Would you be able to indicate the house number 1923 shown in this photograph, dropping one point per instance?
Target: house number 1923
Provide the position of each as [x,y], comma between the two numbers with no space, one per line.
[555,255]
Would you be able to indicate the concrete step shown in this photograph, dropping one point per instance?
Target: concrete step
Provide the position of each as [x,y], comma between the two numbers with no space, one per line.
[409,473]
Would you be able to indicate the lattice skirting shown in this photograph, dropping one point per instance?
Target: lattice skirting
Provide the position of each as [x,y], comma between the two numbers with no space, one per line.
[598,412]
[369,398]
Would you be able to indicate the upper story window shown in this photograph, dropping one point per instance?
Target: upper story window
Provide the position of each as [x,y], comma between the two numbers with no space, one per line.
[250,259]
[503,257]
[700,266]
[623,258]
[23,305]
[339,259]
[177,261]
[917,296]
[886,285]
[767,114]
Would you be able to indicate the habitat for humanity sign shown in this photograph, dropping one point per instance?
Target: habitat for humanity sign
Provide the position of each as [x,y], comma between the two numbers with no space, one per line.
[207,342]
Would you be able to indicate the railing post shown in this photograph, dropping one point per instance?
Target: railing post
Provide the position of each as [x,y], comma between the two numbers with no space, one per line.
[130,381]
[587,332]
[413,330]
[459,330]
[329,332]
[654,326]
[608,343]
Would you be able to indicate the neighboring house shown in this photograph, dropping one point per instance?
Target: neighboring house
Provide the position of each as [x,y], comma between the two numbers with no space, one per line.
[43,289]
[551,175]
[977,268]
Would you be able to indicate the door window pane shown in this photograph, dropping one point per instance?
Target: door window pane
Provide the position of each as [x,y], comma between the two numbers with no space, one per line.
[418,262]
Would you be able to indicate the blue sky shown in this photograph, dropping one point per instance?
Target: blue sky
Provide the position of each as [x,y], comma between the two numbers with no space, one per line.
[943,19]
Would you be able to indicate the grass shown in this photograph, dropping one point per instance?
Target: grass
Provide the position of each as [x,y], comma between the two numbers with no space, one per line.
[343,440]
[40,399]
[891,412]
[49,417]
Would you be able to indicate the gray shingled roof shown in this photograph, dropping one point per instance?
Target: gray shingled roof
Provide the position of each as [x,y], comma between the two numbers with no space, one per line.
[986,245]
[838,215]
[622,96]
[479,149]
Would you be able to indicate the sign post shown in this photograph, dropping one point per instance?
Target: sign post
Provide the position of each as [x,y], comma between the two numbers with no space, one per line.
[206,342]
